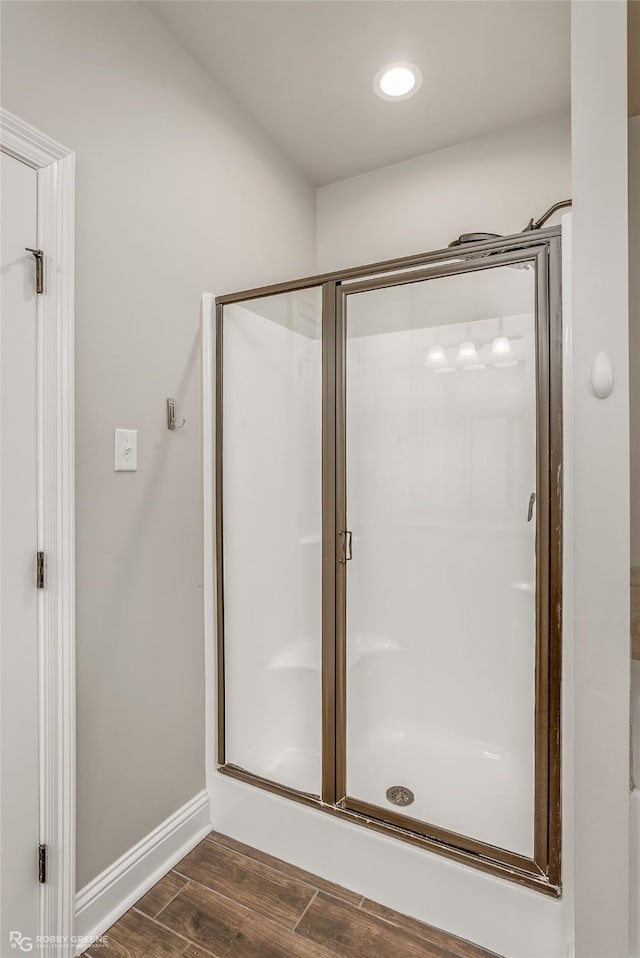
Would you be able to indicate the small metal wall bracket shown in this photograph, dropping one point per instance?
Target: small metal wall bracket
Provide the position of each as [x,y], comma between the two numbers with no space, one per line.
[38,255]
[171,416]
[41,570]
[42,863]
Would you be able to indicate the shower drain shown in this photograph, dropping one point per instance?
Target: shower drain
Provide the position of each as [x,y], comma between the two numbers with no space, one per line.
[400,795]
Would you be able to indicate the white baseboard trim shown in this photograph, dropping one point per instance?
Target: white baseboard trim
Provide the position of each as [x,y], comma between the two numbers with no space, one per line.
[105,899]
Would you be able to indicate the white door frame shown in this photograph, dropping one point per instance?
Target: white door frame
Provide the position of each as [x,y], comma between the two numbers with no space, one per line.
[55,165]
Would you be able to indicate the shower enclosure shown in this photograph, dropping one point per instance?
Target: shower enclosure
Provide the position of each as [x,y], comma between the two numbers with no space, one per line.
[388,527]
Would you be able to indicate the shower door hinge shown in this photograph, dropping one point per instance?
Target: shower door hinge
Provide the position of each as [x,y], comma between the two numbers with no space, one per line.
[41,570]
[38,255]
[42,863]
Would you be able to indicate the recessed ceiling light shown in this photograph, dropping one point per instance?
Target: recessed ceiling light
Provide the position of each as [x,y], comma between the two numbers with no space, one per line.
[397,81]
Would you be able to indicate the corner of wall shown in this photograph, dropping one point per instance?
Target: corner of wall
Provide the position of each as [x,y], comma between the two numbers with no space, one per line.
[105,899]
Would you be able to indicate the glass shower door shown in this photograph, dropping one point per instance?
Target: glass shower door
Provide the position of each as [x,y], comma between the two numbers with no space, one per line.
[441,431]
[270,461]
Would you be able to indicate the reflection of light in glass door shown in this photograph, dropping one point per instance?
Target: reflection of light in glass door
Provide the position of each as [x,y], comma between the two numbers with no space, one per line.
[440,594]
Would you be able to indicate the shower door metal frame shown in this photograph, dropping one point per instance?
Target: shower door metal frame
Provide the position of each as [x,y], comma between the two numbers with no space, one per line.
[543,871]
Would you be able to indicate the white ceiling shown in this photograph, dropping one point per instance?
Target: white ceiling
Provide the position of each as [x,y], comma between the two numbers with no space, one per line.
[303,69]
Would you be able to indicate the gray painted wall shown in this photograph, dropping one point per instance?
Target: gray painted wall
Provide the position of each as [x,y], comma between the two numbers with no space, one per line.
[176,194]
[494,183]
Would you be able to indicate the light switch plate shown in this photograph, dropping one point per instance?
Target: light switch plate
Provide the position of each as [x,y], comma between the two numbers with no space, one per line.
[125,450]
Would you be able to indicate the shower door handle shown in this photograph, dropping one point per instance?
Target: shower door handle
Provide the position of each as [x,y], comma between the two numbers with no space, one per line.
[347,553]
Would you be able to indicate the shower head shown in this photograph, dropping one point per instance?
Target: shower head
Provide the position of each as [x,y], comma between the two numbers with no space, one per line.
[466,238]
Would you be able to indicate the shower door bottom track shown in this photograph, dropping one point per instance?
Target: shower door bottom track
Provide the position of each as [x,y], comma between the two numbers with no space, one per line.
[366,815]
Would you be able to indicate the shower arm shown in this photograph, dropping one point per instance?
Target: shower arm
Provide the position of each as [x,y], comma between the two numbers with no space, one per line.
[538,224]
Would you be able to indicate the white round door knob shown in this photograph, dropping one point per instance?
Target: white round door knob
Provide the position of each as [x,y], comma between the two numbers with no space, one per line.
[602,376]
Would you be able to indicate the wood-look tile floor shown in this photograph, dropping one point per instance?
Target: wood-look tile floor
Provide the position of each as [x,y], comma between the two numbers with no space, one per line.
[227,900]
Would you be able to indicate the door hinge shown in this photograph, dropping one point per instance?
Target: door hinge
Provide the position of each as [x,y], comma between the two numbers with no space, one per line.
[42,863]
[41,570]
[38,255]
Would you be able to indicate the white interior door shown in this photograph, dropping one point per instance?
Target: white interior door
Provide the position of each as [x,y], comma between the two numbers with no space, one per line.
[19,787]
